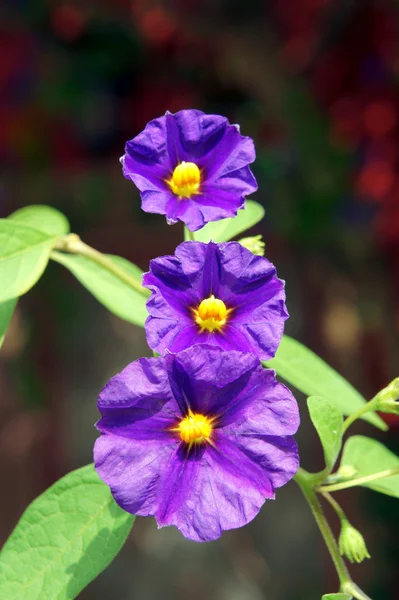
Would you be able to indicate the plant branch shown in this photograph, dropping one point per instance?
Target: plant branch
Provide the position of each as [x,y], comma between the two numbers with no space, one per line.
[364,409]
[340,513]
[73,245]
[335,487]
[305,481]
[352,589]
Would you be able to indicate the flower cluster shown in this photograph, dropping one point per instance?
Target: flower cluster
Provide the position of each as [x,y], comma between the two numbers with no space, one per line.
[200,436]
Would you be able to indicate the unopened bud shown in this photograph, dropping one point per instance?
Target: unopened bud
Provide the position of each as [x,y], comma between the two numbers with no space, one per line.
[351,543]
[254,244]
[387,400]
[346,472]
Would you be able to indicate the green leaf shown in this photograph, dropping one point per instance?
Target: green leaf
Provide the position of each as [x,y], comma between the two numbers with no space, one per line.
[64,539]
[116,295]
[6,312]
[336,597]
[303,369]
[370,457]
[328,422]
[24,253]
[225,229]
[43,218]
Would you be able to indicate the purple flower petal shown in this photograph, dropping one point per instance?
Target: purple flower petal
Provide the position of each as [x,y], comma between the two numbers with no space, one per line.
[193,382]
[227,490]
[213,484]
[138,402]
[277,455]
[247,284]
[217,148]
[132,469]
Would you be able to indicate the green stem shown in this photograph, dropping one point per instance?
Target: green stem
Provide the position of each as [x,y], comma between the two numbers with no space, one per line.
[73,244]
[335,487]
[364,409]
[305,482]
[191,235]
[335,505]
[355,591]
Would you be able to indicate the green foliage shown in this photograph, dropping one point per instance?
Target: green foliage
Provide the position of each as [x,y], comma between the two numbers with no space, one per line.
[43,218]
[370,457]
[225,229]
[336,597]
[328,422]
[311,375]
[24,253]
[6,312]
[116,295]
[64,539]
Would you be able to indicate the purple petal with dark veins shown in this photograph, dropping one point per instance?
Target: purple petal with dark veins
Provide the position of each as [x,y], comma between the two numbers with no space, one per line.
[222,154]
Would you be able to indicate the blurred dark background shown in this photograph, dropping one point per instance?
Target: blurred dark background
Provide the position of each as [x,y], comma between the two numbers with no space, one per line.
[316,84]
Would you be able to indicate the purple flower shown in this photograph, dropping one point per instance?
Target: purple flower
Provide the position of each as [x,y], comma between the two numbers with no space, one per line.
[199,439]
[191,167]
[218,294]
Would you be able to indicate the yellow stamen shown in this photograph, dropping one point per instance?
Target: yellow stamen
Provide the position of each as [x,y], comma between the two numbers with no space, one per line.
[186,179]
[195,428]
[211,314]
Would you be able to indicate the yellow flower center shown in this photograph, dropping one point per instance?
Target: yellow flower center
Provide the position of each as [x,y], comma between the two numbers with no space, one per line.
[194,428]
[185,180]
[211,314]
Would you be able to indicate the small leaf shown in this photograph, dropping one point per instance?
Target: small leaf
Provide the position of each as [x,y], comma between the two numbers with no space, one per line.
[116,295]
[336,597]
[64,539]
[370,457]
[6,312]
[43,218]
[24,253]
[303,369]
[328,421]
[225,229]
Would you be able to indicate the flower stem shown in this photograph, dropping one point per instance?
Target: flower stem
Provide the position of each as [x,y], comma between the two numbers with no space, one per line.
[335,487]
[73,245]
[364,409]
[356,592]
[191,236]
[335,505]
[305,481]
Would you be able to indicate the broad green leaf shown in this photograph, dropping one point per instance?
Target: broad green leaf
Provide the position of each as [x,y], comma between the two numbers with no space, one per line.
[303,369]
[44,218]
[64,539]
[336,597]
[328,421]
[225,229]
[6,312]
[116,295]
[24,253]
[370,457]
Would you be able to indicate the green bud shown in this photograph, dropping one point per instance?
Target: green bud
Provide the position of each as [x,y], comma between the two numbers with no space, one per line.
[351,543]
[254,244]
[387,400]
[344,473]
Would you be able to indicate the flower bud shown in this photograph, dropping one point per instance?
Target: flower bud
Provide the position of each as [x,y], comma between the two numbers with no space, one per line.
[254,244]
[351,543]
[346,472]
[387,400]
